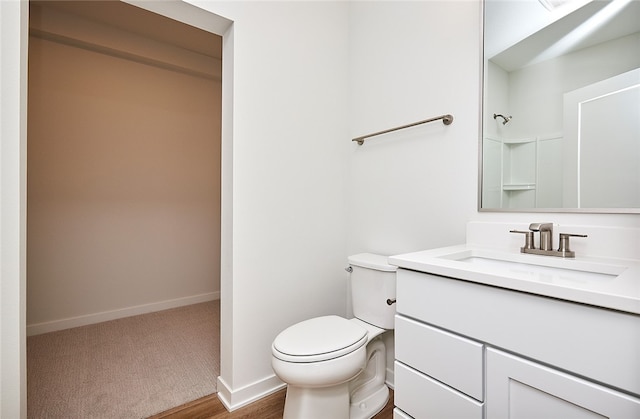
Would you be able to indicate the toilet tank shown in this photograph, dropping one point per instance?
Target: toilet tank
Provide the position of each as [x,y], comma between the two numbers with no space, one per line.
[373,282]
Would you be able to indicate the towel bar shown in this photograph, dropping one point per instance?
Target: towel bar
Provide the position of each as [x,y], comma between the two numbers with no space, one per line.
[446,119]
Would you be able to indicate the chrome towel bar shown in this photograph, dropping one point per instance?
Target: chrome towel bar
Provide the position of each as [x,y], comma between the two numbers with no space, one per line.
[446,119]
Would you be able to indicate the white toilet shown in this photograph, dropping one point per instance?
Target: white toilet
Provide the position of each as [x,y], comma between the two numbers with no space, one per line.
[334,367]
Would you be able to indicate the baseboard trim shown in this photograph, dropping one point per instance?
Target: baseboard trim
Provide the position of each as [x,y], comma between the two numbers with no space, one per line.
[235,399]
[68,323]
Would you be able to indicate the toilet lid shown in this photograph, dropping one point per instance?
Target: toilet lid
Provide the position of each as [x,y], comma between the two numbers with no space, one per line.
[319,339]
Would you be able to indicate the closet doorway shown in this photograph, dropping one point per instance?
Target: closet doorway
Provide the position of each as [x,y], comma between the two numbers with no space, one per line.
[123,169]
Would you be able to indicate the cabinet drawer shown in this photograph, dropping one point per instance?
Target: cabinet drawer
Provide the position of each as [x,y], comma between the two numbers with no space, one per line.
[423,397]
[451,359]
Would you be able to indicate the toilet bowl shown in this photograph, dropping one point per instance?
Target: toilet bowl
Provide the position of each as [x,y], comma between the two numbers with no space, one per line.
[336,367]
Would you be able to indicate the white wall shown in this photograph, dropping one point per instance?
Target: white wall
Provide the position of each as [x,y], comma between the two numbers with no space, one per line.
[409,61]
[289,175]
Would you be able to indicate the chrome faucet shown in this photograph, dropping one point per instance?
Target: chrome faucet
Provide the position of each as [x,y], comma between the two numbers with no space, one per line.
[546,241]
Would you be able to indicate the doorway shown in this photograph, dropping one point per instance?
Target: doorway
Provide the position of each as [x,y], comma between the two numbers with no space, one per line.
[123,164]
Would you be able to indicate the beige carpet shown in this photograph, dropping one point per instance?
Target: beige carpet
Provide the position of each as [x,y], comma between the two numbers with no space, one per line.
[127,368]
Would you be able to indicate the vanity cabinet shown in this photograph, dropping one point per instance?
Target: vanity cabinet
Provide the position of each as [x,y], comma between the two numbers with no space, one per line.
[469,350]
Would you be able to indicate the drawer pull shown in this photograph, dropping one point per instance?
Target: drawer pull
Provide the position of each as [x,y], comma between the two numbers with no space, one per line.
[390,301]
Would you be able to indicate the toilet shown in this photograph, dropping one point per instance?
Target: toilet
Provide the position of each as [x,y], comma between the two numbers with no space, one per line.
[336,367]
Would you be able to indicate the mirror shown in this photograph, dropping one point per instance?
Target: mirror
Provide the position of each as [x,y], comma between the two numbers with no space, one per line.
[561,106]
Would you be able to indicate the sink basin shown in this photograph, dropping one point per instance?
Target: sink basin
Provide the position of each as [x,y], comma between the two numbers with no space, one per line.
[538,266]
[527,268]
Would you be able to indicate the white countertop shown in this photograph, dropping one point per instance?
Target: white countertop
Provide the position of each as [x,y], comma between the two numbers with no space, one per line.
[615,285]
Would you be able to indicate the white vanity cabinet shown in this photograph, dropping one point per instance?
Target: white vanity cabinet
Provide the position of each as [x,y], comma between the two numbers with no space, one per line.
[469,350]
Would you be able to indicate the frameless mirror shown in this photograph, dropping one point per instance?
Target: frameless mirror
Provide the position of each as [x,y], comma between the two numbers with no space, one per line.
[561,106]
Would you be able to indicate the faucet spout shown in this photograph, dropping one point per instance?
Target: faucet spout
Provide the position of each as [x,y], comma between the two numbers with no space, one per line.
[546,234]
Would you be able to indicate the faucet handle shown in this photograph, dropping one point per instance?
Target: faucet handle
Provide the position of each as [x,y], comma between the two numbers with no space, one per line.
[564,244]
[528,239]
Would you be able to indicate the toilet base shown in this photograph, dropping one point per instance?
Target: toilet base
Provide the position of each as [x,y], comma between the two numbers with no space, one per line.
[370,406]
[317,403]
[369,393]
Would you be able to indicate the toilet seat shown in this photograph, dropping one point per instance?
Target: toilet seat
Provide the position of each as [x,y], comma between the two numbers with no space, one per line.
[319,339]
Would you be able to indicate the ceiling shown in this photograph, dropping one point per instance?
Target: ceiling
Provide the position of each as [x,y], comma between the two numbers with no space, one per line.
[524,33]
[139,21]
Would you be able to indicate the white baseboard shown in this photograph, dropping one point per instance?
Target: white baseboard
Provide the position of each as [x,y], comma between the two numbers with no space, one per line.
[52,326]
[235,399]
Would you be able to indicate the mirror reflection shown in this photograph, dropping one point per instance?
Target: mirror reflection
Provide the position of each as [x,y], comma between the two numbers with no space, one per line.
[561,123]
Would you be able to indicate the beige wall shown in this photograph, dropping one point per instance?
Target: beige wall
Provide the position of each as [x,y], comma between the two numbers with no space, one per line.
[123,184]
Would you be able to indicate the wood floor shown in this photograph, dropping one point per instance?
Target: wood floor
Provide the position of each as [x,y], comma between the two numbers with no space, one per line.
[270,407]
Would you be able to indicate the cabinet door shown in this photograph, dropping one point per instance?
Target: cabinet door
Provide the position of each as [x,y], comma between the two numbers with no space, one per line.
[521,389]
